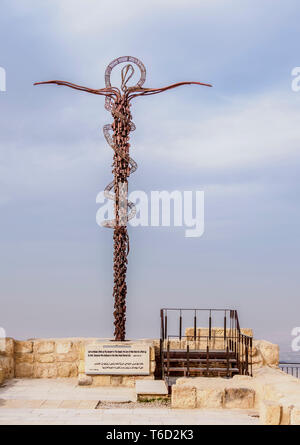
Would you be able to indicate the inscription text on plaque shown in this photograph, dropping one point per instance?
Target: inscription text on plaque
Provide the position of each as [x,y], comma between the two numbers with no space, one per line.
[122,358]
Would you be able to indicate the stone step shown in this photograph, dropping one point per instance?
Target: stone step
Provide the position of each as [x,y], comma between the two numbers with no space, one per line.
[151,389]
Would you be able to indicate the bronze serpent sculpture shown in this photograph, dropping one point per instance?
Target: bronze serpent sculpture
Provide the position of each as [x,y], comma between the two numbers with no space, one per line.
[118,102]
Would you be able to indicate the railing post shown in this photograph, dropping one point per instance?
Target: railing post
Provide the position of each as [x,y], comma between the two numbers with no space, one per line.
[227,357]
[243,353]
[235,331]
[168,359]
[238,364]
[237,322]
[166,324]
[209,330]
[251,357]
[247,358]
[230,322]
[162,332]
[161,353]
[207,360]
[180,326]
[195,326]
[188,360]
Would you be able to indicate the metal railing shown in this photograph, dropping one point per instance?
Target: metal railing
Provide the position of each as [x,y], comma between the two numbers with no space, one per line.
[235,343]
[290,368]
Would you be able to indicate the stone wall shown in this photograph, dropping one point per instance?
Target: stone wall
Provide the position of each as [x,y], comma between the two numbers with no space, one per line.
[46,358]
[6,359]
[275,394]
[63,357]
[215,332]
[216,341]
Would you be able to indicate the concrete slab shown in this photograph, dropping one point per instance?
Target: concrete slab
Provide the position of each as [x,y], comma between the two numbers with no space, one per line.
[73,404]
[62,389]
[151,388]
[51,404]
[21,403]
[88,404]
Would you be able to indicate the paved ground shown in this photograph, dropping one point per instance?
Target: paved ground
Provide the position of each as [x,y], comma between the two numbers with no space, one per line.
[61,389]
[61,401]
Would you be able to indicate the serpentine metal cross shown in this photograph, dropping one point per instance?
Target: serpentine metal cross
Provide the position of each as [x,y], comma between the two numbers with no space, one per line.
[118,102]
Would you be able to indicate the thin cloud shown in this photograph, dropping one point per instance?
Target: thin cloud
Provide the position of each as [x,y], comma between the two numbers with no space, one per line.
[247,132]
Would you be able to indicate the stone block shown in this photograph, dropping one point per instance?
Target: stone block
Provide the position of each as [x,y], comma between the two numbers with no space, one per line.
[2,376]
[189,332]
[76,345]
[2,343]
[63,347]
[151,388]
[8,346]
[67,370]
[101,380]
[242,379]
[8,366]
[116,380]
[269,413]
[81,367]
[45,370]
[71,356]
[242,398]
[196,344]
[247,331]
[23,358]
[82,353]
[44,358]
[295,415]
[24,370]
[143,377]
[266,352]
[156,343]
[23,347]
[286,411]
[43,346]
[152,353]
[84,380]
[129,381]
[177,344]
[209,398]
[183,397]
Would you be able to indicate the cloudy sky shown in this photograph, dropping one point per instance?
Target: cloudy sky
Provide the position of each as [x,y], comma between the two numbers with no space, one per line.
[237,141]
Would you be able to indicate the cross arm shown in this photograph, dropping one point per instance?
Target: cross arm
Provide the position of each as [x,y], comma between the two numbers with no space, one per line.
[150,91]
[110,92]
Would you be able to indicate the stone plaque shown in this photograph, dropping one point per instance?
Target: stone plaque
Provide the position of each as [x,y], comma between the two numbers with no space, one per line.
[120,358]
